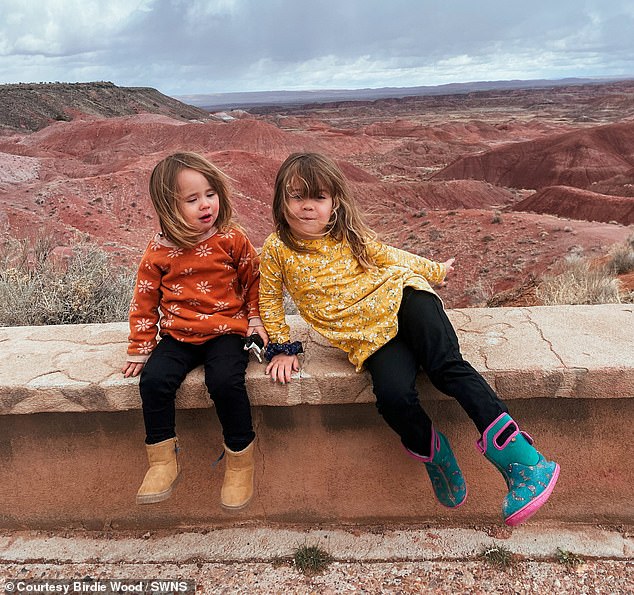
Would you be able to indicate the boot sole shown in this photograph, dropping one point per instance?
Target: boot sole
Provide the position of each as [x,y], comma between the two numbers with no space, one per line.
[523,514]
[155,498]
[240,507]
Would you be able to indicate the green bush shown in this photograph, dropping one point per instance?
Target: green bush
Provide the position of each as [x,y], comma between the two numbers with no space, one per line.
[39,287]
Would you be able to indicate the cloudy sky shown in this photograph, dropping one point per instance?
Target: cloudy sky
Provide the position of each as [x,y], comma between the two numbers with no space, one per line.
[213,46]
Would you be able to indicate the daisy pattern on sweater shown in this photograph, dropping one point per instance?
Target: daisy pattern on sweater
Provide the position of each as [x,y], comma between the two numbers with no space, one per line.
[356,310]
[193,294]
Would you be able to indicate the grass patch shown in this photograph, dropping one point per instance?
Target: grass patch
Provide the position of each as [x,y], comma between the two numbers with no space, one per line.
[311,559]
[568,558]
[498,556]
[39,286]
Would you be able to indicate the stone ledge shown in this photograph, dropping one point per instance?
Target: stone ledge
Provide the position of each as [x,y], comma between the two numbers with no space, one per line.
[580,352]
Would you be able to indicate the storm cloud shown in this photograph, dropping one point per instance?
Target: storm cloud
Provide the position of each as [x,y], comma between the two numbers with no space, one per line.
[202,46]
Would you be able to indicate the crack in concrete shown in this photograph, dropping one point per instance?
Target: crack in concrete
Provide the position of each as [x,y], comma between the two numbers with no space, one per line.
[257,424]
[541,334]
[484,356]
[49,373]
[359,393]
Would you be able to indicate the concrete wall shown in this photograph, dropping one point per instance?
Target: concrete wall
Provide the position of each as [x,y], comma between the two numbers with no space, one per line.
[71,432]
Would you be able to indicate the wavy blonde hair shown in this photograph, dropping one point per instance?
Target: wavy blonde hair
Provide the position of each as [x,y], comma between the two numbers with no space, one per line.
[315,173]
[164,195]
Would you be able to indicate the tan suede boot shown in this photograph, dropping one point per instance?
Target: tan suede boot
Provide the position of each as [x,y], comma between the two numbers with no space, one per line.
[237,487]
[162,474]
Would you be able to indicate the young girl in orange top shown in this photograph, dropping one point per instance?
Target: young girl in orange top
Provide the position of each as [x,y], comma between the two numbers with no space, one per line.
[377,304]
[197,286]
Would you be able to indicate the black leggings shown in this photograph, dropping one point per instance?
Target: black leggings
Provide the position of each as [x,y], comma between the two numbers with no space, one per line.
[426,340]
[225,363]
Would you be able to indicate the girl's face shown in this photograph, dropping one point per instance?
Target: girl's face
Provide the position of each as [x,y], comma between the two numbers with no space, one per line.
[308,216]
[198,202]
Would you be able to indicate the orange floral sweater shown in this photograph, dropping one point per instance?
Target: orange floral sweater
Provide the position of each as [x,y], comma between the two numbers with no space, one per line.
[193,294]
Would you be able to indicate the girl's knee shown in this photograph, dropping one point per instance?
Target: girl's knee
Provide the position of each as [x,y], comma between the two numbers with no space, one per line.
[222,381]
[395,396]
[150,382]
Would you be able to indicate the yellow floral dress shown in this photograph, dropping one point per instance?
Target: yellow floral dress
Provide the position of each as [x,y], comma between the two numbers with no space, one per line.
[356,310]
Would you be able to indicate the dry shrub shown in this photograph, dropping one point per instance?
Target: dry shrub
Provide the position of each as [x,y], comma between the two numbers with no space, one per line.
[579,282]
[622,257]
[480,293]
[38,287]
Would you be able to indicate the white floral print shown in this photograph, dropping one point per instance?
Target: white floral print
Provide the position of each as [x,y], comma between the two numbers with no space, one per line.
[144,324]
[144,286]
[145,347]
[203,286]
[203,250]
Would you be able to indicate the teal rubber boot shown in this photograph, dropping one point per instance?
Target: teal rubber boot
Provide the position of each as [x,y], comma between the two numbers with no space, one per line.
[443,470]
[529,477]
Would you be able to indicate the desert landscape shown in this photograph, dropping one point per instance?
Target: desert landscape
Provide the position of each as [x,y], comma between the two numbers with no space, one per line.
[507,181]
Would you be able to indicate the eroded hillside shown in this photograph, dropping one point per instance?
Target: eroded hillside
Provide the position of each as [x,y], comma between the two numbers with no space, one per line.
[492,178]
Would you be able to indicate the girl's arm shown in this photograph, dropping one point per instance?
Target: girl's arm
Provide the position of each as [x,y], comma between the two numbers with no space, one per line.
[282,353]
[248,271]
[384,255]
[144,315]
[247,263]
[272,295]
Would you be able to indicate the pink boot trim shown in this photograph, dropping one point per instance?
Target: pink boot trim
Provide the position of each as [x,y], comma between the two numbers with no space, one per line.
[523,514]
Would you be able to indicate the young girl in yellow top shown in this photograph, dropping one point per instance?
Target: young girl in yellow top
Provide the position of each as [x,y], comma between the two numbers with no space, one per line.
[377,304]
[197,287]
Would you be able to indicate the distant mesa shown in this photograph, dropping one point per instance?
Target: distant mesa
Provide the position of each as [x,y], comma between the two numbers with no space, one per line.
[253,100]
[33,106]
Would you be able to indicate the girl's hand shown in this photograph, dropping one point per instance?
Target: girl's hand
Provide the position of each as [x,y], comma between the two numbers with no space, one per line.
[281,367]
[258,329]
[448,269]
[132,369]
[449,266]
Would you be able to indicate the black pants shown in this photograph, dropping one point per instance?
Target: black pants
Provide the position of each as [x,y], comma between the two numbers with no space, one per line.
[426,340]
[225,363]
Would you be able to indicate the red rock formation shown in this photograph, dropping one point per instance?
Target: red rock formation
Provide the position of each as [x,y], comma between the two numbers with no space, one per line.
[578,158]
[90,175]
[575,203]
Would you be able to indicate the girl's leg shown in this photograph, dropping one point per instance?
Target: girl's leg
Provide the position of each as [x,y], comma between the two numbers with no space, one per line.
[424,325]
[529,477]
[161,376]
[393,369]
[225,367]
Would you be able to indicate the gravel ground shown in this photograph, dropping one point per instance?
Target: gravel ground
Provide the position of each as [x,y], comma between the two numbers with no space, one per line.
[538,559]
[526,577]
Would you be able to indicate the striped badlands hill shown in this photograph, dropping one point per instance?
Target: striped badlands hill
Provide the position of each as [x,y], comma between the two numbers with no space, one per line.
[575,203]
[580,158]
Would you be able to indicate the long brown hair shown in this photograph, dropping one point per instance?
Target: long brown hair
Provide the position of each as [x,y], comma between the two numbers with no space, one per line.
[164,194]
[316,173]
